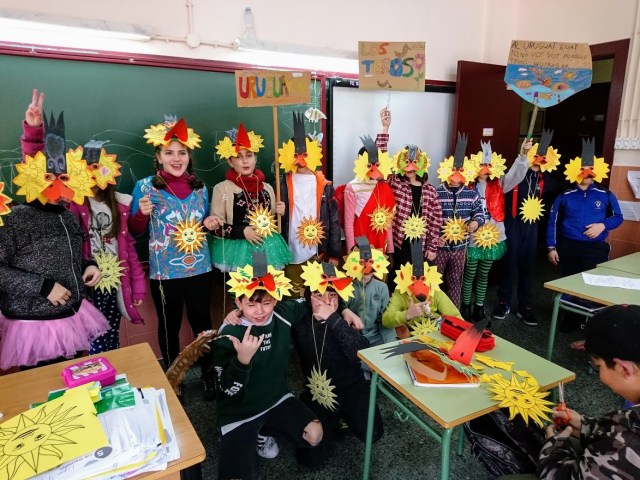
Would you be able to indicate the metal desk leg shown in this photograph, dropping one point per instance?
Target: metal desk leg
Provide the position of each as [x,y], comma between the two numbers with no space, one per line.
[460,448]
[552,328]
[373,391]
[446,451]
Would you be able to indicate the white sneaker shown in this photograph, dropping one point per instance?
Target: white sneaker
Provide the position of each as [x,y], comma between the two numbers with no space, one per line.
[267,447]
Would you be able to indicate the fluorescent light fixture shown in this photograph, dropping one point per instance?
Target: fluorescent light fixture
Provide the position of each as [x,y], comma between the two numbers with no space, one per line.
[245,43]
[19,19]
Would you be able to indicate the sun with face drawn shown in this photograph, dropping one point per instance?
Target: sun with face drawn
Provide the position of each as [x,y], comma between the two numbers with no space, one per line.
[381,219]
[454,230]
[414,227]
[522,398]
[487,236]
[262,221]
[4,203]
[321,389]
[310,232]
[189,235]
[111,271]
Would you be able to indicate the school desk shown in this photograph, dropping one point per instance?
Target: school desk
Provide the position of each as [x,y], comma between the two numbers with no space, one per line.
[20,389]
[449,407]
[574,285]
[628,263]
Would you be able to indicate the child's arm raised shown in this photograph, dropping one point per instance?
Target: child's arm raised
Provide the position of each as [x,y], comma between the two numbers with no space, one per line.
[32,140]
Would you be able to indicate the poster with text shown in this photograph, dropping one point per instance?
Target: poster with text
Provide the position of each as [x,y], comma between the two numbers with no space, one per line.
[392,65]
[260,88]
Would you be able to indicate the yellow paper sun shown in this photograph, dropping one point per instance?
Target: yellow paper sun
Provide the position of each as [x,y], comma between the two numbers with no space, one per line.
[287,155]
[487,236]
[107,171]
[313,277]
[385,165]
[531,209]
[404,279]
[423,327]
[552,159]
[189,235]
[262,221]
[226,149]
[321,389]
[242,282]
[521,398]
[155,135]
[80,180]
[111,271]
[573,170]
[454,230]
[469,170]
[30,177]
[310,232]
[381,219]
[354,269]
[498,167]
[414,227]
[4,203]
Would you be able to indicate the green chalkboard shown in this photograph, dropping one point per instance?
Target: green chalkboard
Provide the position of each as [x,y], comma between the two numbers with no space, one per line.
[118,101]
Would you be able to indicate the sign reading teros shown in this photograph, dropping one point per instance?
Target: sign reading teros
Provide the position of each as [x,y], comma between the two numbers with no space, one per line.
[259,88]
[392,65]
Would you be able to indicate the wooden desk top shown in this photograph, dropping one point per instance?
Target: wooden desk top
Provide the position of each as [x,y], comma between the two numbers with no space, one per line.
[628,263]
[454,406]
[574,285]
[20,389]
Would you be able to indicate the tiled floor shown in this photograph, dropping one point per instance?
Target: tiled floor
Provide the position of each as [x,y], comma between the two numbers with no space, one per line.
[405,451]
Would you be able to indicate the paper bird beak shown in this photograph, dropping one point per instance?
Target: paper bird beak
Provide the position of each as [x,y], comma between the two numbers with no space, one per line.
[586,173]
[419,290]
[58,191]
[539,159]
[374,173]
[300,160]
[411,167]
[485,170]
[457,177]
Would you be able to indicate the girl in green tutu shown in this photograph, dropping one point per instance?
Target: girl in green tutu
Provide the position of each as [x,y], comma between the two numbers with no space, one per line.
[243,208]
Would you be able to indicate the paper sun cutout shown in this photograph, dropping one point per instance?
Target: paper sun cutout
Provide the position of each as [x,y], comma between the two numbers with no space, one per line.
[384,166]
[4,203]
[454,230]
[310,232]
[521,398]
[226,148]
[495,169]
[189,235]
[243,282]
[381,219]
[423,327]
[573,170]
[548,163]
[317,281]
[287,156]
[414,227]
[31,177]
[157,134]
[104,172]
[355,269]
[321,389]
[111,271]
[531,209]
[80,180]
[468,172]
[262,221]
[487,236]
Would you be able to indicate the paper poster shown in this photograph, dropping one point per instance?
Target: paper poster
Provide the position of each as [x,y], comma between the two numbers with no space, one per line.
[48,435]
[259,88]
[630,210]
[392,65]
[546,73]
[633,177]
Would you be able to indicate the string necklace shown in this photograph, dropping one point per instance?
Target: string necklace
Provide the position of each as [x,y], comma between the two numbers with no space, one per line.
[319,385]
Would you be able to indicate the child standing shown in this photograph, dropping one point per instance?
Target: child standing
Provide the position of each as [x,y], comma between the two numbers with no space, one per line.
[461,215]
[173,206]
[251,361]
[43,276]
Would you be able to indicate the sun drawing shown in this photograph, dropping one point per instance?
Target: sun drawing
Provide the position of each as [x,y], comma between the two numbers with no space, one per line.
[487,236]
[262,221]
[381,219]
[321,389]
[4,203]
[531,209]
[423,327]
[414,227]
[189,235]
[111,271]
[522,398]
[454,230]
[310,232]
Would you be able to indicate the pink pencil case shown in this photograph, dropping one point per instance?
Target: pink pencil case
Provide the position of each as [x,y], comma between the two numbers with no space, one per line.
[96,369]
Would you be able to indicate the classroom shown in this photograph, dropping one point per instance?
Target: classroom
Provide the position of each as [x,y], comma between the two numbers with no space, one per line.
[209,71]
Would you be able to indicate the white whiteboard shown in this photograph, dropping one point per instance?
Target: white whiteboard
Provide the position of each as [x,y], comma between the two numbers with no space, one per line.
[422,118]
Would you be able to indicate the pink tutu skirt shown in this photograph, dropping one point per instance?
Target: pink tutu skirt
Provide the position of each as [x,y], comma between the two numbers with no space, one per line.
[27,342]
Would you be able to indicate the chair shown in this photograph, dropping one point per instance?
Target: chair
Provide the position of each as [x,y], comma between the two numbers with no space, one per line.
[188,356]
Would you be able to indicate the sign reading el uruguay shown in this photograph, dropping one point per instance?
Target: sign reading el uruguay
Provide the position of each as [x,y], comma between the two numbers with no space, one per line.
[259,88]
[546,73]
[392,65]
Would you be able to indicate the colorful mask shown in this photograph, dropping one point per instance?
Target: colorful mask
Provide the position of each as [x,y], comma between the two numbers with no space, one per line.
[488,162]
[172,129]
[458,168]
[4,203]
[103,167]
[549,158]
[419,279]
[411,159]
[320,276]
[299,152]
[259,276]
[586,166]
[373,164]
[236,140]
[365,260]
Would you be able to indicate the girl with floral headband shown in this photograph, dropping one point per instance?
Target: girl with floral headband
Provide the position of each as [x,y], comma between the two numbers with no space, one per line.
[43,275]
[243,207]
[103,218]
[173,206]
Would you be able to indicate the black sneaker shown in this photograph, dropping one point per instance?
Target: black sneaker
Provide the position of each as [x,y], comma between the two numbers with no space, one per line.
[526,315]
[208,389]
[478,313]
[465,311]
[501,311]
